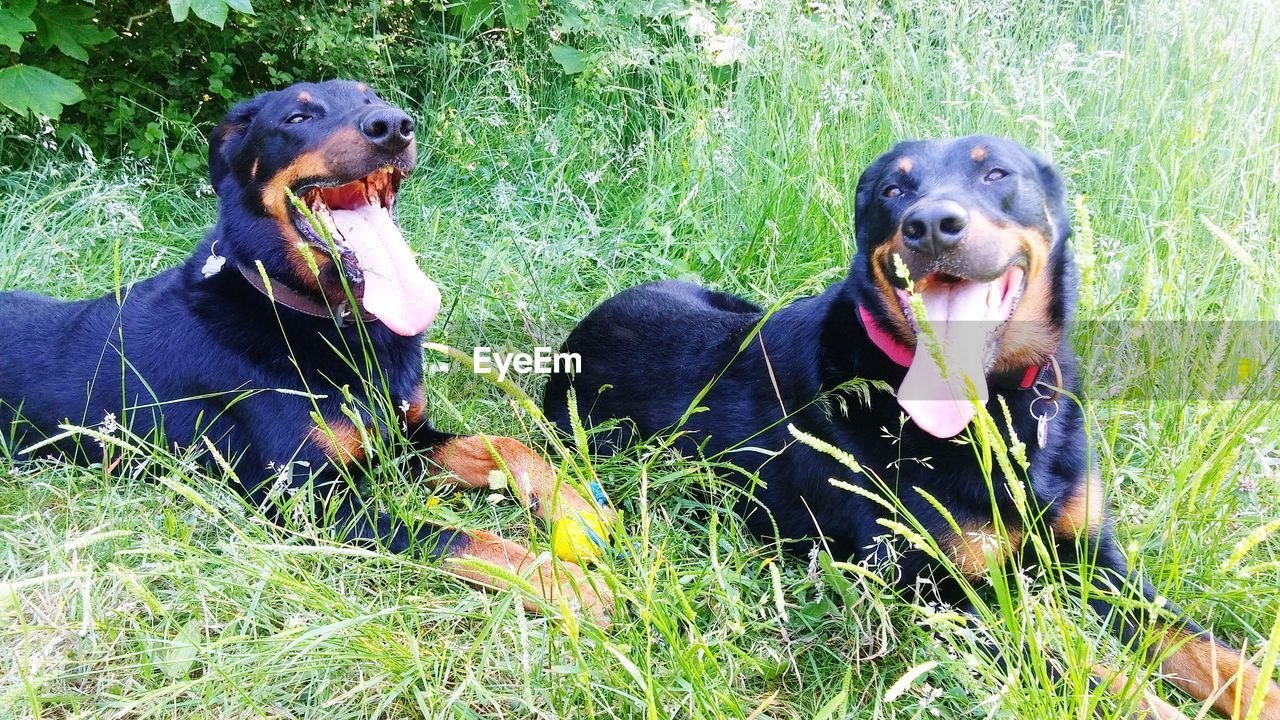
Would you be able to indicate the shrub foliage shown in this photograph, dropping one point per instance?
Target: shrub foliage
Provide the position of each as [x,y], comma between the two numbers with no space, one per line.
[144,78]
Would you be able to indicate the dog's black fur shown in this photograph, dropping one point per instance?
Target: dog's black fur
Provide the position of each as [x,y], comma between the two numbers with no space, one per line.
[190,355]
[648,352]
[178,348]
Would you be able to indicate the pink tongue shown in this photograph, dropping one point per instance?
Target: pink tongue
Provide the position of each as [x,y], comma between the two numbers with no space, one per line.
[962,316]
[395,290]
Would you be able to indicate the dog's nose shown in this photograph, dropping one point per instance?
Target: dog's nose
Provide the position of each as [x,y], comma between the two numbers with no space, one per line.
[933,227]
[387,127]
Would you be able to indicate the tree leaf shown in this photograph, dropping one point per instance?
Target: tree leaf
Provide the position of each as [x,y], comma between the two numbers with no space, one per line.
[571,19]
[22,8]
[474,13]
[24,89]
[660,8]
[70,29]
[213,12]
[181,654]
[180,9]
[571,59]
[517,13]
[14,22]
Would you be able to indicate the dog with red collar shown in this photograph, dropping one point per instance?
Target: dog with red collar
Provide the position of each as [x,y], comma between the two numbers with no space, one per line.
[959,297]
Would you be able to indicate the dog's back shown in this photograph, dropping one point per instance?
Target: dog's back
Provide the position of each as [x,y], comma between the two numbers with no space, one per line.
[27,320]
[671,332]
[30,327]
[63,360]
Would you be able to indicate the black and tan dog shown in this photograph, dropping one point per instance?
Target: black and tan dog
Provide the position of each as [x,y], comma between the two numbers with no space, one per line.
[979,227]
[254,346]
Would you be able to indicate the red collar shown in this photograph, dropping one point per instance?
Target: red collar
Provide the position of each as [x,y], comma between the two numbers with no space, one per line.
[903,355]
[883,339]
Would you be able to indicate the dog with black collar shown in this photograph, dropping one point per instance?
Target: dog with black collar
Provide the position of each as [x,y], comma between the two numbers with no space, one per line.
[290,338]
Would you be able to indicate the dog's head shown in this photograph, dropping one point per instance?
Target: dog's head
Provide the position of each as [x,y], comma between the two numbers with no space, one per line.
[974,229]
[344,152]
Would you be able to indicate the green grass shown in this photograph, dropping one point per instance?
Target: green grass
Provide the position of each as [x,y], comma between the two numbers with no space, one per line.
[537,197]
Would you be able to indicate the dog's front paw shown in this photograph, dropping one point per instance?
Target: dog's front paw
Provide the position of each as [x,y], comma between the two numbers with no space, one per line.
[566,585]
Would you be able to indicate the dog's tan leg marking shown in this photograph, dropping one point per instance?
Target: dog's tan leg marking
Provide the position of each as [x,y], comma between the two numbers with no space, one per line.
[1150,707]
[969,549]
[339,440]
[470,461]
[1207,670]
[1082,512]
[554,581]
[415,408]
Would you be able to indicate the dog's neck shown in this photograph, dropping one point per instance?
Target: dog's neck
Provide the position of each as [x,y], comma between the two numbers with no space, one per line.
[860,346]
[317,305]
[271,275]
[902,355]
[214,269]
[893,348]
[233,310]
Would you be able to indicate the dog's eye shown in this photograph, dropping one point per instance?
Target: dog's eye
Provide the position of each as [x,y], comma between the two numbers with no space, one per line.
[296,118]
[892,191]
[995,174]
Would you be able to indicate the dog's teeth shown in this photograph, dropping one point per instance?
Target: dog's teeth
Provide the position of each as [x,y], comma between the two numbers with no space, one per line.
[330,226]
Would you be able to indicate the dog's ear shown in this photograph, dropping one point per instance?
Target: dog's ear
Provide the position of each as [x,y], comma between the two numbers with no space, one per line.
[1055,196]
[225,139]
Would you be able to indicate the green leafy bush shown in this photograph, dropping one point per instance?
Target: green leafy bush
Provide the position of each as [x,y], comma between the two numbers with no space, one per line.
[54,31]
[134,77]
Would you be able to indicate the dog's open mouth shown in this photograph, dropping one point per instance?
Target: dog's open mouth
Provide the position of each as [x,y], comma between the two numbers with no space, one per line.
[359,217]
[377,189]
[966,320]
[999,297]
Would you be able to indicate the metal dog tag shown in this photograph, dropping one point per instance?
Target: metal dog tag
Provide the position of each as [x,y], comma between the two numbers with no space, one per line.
[213,265]
[1047,411]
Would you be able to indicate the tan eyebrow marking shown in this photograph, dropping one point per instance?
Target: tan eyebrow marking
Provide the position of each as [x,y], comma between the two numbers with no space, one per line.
[979,153]
[362,87]
[905,164]
[304,97]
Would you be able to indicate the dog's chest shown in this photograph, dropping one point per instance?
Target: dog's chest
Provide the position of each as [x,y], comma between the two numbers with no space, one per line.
[929,489]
